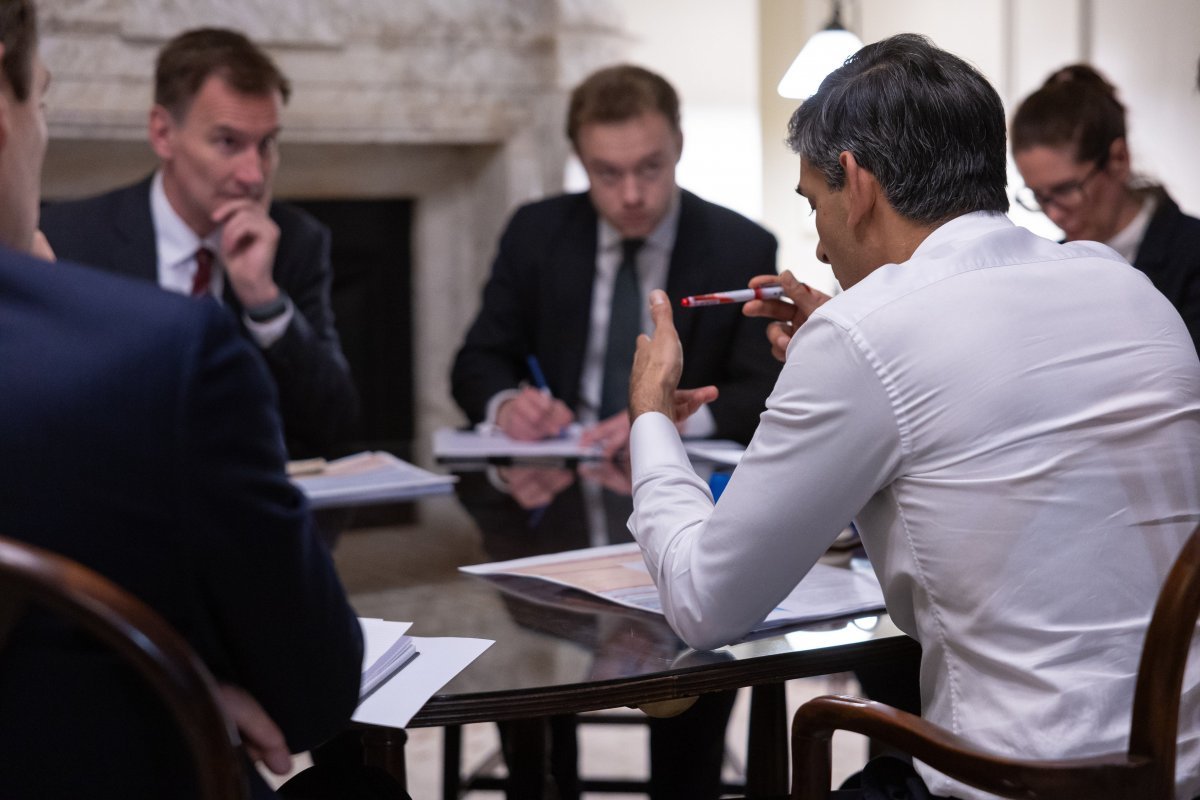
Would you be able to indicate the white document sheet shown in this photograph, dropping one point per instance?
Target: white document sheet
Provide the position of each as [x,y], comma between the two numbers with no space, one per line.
[451,445]
[399,699]
[617,573]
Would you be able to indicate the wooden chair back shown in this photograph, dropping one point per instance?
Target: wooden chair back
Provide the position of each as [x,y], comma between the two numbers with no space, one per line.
[1145,772]
[32,577]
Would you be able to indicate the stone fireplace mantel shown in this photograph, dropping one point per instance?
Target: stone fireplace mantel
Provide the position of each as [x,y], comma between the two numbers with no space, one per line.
[458,105]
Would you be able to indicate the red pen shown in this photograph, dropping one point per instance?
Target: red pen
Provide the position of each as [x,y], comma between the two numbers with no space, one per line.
[736,296]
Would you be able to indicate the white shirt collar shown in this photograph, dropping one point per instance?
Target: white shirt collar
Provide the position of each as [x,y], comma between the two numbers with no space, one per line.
[661,238]
[1129,239]
[968,226]
[176,244]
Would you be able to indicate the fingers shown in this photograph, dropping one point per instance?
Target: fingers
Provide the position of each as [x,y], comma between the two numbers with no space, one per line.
[611,434]
[225,211]
[535,487]
[612,475]
[40,247]
[779,334]
[689,401]
[249,238]
[806,298]
[660,311]
[261,737]
[657,363]
[244,226]
[533,415]
[788,314]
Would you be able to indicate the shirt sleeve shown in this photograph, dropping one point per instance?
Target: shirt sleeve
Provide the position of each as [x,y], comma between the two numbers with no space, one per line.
[827,442]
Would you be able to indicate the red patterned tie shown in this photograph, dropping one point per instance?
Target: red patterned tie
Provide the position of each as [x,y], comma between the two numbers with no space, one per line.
[203,278]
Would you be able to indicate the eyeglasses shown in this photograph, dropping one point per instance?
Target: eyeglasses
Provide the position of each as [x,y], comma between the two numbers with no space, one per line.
[1066,195]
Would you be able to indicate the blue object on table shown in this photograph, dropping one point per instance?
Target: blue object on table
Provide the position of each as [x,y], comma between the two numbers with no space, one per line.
[717,483]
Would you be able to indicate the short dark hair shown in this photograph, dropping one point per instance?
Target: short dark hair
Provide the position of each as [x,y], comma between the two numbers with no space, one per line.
[1076,107]
[620,93]
[188,60]
[18,32]
[925,123]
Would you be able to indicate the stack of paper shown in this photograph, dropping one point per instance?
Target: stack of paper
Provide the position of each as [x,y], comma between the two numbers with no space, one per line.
[374,477]
[378,667]
[396,682]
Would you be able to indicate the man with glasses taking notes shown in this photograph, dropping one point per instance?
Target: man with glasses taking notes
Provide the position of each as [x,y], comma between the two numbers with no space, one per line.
[1069,143]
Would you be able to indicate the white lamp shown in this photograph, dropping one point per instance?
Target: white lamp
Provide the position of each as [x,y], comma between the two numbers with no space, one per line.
[827,50]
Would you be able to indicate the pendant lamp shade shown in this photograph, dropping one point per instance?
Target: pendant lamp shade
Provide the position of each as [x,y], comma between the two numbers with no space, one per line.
[827,50]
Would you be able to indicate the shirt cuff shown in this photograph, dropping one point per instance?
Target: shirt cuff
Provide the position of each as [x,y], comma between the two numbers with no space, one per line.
[654,443]
[493,405]
[268,333]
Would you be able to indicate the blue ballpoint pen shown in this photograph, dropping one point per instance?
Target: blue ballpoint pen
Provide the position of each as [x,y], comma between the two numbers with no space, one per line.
[539,378]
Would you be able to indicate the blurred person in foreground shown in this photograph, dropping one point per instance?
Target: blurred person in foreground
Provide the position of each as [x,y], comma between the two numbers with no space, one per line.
[141,438]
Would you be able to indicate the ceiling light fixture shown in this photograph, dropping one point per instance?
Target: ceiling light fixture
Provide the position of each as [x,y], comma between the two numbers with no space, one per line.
[827,50]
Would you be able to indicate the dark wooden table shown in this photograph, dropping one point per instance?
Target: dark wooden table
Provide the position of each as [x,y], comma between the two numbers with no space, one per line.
[557,651]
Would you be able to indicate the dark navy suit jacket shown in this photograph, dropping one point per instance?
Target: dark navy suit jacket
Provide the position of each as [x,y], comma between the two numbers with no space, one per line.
[115,232]
[1170,256]
[139,435]
[539,295]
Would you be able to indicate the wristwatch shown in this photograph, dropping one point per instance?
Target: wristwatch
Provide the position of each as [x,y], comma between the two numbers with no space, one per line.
[269,310]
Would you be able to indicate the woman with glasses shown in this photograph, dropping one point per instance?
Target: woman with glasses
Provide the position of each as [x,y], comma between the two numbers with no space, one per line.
[1069,144]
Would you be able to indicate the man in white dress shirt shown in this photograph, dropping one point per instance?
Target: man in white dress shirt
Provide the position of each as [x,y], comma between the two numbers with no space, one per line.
[1013,424]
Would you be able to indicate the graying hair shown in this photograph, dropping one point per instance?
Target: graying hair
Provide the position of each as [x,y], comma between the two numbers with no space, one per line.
[926,124]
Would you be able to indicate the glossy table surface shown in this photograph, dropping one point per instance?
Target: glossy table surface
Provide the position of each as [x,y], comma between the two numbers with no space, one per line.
[555,650]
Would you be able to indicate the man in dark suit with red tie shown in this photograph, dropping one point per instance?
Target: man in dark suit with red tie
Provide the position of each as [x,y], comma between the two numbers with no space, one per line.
[204,223]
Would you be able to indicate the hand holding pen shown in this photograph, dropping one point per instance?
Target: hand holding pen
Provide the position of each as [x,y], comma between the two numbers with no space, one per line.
[789,312]
[534,413]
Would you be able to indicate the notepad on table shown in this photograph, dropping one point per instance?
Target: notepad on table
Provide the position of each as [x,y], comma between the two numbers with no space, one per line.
[396,683]
[373,477]
[386,650]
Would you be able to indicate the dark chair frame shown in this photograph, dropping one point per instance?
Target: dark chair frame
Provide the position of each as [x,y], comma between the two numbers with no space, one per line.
[1145,772]
[31,576]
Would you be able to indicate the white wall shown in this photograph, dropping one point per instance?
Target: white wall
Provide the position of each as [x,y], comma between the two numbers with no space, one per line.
[726,56]
[1148,49]
[708,49]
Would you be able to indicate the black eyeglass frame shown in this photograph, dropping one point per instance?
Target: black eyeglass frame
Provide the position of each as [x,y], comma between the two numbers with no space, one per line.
[1066,195]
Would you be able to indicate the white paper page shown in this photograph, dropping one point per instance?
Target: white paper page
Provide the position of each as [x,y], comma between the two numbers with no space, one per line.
[378,636]
[399,699]
[617,573]
[450,444]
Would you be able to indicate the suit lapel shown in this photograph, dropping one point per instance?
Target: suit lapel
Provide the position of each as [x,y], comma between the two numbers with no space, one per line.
[136,253]
[688,259]
[573,272]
